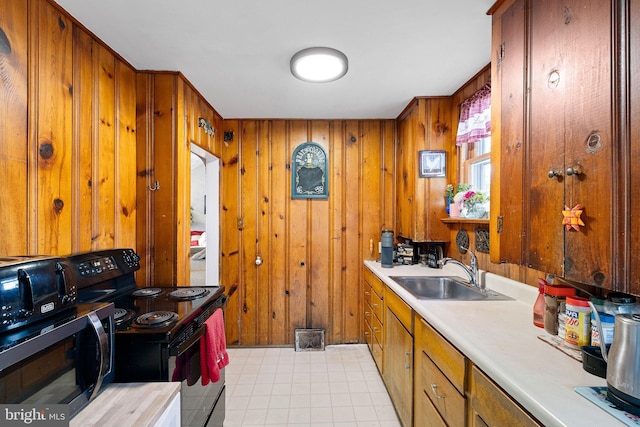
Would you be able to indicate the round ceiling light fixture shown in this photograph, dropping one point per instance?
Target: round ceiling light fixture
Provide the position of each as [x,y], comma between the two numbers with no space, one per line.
[319,64]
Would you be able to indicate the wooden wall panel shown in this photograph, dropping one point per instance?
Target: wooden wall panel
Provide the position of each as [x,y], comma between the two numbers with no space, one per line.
[50,136]
[312,250]
[352,261]
[125,166]
[274,241]
[230,232]
[84,139]
[319,245]
[163,161]
[337,205]
[58,166]
[14,224]
[104,153]
[249,159]
[297,240]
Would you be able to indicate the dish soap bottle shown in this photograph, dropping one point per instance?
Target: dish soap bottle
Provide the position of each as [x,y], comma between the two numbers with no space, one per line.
[539,306]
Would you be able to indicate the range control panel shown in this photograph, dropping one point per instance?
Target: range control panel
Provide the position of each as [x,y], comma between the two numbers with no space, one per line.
[97,266]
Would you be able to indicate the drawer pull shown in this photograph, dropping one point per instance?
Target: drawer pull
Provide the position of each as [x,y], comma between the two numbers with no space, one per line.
[367,293]
[434,387]
[407,360]
[367,314]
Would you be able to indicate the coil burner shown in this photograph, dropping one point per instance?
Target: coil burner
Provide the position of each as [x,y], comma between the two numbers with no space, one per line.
[122,316]
[185,294]
[156,319]
[146,292]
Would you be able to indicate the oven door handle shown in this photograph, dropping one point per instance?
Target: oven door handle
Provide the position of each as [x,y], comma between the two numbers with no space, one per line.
[102,340]
[193,339]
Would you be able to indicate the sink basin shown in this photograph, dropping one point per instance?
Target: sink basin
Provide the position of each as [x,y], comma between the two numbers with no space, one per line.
[446,288]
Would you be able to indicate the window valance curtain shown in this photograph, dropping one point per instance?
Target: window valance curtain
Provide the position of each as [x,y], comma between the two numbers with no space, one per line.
[475,117]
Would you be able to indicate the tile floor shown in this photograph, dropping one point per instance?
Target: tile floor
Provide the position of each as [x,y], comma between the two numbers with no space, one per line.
[339,386]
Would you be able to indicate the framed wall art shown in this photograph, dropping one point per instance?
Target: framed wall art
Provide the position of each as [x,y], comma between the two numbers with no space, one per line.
[432,163]
[309,172]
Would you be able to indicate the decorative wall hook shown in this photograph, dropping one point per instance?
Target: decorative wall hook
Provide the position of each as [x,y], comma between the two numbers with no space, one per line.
[208,129]
[156,186]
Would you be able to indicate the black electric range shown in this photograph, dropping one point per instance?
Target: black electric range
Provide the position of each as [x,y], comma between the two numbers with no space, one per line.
[156,328]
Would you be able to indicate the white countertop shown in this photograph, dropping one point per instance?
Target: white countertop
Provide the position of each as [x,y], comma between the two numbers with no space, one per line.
[500,338]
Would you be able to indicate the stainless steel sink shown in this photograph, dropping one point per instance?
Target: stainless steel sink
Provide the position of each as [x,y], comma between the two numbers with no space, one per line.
[446,288]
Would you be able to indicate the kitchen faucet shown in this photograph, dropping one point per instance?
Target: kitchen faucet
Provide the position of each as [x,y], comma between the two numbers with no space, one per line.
[471,270]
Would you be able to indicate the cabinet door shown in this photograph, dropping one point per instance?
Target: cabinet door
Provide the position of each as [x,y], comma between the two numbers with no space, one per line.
[398,370]
[633,202]
[508,138]
[570,131]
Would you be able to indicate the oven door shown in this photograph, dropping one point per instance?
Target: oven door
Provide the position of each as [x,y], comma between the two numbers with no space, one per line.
[65,363]
[200,404]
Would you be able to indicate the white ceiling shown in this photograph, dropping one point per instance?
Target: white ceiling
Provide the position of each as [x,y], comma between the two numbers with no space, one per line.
[237,52]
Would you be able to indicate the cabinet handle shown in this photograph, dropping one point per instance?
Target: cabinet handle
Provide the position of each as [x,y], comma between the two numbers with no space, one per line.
[554,174]
[407,360]
[435,391]
[576,170]
[375,305]
[367,293]
[367,314]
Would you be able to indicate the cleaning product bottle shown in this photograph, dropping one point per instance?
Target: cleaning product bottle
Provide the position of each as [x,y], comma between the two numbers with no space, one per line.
[539,306]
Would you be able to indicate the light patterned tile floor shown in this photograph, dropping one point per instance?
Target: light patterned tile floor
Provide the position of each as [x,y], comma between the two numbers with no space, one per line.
[339,386]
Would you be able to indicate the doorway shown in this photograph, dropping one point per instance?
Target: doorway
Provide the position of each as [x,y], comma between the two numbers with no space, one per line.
[205,218]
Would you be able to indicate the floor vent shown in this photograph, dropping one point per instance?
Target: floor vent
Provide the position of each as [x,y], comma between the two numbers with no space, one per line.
[309,339]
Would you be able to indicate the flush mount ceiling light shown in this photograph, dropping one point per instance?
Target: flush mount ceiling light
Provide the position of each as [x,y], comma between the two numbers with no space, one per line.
[319,64]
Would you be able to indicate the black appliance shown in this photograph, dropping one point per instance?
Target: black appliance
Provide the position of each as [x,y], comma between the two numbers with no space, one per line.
[158,329]
[33,288]
[63,359]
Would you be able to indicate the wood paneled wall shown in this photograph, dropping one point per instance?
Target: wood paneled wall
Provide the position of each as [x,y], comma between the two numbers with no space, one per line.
[312,250]
[67,123]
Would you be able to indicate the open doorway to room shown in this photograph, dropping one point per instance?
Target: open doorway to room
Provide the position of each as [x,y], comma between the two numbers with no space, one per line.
[205,218]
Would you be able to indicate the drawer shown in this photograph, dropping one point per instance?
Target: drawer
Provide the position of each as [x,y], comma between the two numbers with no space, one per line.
[376,305]
[450,404]
[376,329]
[496,408]
[449,360]
[400,308]
[426,414]
[374,281]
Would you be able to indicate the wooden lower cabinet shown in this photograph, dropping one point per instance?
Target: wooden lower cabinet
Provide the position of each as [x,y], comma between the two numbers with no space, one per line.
[491,406]
[430,382]
[398,357]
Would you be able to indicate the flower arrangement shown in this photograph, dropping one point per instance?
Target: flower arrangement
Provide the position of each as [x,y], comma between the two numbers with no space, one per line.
[451,190]
[469,202]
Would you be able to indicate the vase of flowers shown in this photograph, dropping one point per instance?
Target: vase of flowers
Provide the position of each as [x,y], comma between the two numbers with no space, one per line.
[472,203]
[454,203]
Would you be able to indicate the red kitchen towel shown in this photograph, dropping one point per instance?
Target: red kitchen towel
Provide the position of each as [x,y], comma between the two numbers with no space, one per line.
[213,348]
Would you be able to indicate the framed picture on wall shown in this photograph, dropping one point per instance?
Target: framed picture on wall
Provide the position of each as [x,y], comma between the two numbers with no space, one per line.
[309,172]
[432,163]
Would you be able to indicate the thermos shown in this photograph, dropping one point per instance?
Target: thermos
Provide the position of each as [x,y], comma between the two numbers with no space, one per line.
[387,249]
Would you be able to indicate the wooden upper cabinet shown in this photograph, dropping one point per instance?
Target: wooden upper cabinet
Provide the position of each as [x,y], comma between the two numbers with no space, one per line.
[570,148]
[420,202]
[554,107]
[628,233]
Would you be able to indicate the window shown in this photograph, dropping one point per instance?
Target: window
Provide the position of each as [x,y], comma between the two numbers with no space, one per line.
[475,164]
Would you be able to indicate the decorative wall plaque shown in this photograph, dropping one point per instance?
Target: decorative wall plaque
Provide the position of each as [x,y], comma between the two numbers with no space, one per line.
[309,172]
